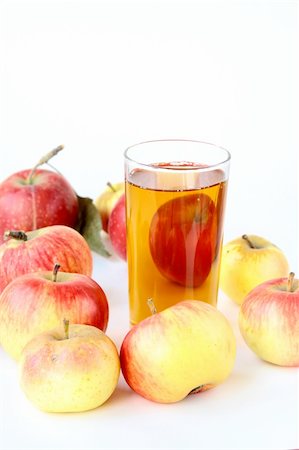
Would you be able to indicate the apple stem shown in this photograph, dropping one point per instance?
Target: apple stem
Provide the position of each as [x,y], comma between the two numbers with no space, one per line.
[20,235]
[246,238]
[151,305]
[111,186]
[55,272]
[44,159]
[66,326]
[290,285]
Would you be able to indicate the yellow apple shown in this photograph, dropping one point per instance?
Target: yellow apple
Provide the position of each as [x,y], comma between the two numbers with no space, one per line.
[247,262]
[69,370]
[186,348]
[107,200]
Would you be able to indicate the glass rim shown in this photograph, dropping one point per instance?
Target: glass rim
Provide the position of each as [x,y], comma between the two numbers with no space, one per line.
[194,141]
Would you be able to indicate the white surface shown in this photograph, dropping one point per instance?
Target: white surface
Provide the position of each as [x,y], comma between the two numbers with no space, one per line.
[256,408]
[99,76]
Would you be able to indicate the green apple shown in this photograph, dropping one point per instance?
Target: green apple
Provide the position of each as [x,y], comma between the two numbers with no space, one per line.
[247,262]
[69,370]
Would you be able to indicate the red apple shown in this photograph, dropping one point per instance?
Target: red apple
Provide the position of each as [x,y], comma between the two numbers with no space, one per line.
[40,250]
[107,200]
[31,202]
[269,321]
[36,302]
[117,228]
[186,348]
[183,239]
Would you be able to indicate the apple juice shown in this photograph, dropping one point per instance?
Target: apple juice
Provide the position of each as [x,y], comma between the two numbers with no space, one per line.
[174,235]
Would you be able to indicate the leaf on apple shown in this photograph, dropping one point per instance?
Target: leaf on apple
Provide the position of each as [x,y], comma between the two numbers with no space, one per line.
[89,225]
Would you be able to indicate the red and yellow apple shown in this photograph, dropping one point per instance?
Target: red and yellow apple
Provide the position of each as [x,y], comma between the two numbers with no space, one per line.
[35,302]
[117,228]
[29,201]
[269,321]
[40,250]
[183,231]
[247,262]
[107,200]
[186,348]
[69,371]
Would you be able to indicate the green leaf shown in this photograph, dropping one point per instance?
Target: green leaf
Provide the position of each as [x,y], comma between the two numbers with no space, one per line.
[89,224]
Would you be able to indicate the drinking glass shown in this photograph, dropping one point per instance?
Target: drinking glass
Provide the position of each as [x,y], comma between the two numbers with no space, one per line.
[175,201]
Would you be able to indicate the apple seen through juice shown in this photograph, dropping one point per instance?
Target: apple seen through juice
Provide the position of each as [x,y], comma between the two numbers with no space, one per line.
[174,235]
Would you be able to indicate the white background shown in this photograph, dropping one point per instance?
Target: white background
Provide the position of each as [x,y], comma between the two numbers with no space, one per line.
[99,76]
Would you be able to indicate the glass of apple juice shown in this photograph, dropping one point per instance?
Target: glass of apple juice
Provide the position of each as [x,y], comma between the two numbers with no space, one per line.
[175,200]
